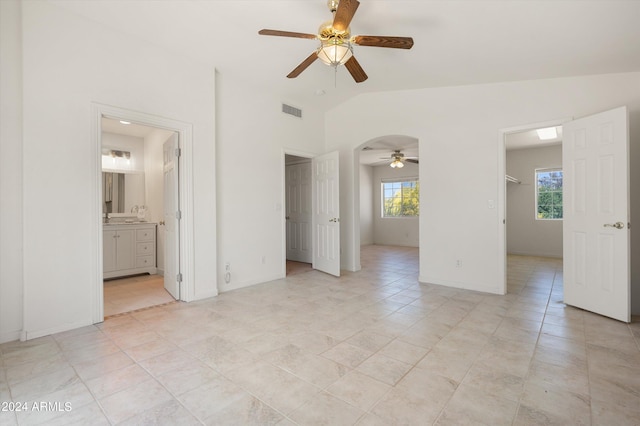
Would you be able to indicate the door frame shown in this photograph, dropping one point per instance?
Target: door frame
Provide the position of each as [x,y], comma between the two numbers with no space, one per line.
[502,192]
[186,239]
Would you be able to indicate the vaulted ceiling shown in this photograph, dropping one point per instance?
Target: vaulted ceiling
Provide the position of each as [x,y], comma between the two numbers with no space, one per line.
[456,42]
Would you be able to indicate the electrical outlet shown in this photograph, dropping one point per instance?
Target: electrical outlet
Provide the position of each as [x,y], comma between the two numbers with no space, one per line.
[264,259]
[227,266]
[458,263]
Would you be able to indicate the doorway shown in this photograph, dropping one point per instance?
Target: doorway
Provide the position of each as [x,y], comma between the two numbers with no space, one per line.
[146,249]
[388,193]
[139,244]
[319,194]
[298,230]
[532,192]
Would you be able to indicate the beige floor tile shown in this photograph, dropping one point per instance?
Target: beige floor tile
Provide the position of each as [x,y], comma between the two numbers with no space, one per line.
[167,413]
[150,349]
[404,352]
[402,407]
[446,354]
[326,409]
[347,354]
[87,414]
[281,390]
[472,406]
[312,368]
[45,384]
[97,367]
[359,390]
[248,411]
[570,378]
[547,405]
[495,381]
[385,369]
[117,380]
[133,400]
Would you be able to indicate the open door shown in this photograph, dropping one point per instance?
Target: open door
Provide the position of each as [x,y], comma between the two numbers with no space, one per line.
[596,214]
[172,276]
[298,212]
[326,213]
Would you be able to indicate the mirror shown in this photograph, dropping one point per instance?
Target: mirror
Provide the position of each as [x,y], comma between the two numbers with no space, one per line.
[122,191]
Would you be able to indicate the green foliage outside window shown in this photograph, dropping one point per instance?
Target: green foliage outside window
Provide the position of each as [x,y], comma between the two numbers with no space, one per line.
[549,194]
[400,199]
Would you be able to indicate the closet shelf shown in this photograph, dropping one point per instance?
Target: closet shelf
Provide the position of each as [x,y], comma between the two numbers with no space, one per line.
[512,179]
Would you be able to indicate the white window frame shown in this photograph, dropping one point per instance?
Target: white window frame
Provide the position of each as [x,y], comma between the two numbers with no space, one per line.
[382,197]
[546,170]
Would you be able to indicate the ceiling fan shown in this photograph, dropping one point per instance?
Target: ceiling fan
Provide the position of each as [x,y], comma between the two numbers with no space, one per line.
[336,41]
[398,159]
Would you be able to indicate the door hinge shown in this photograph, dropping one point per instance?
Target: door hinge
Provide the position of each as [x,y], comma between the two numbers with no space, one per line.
[179,214]
[178,152]
[179,277]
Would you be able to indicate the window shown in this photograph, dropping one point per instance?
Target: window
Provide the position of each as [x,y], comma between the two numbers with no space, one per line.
[548,194]
[400,198]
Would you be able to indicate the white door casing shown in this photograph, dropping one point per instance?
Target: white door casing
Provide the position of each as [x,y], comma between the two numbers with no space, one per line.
[596,214]
[326,213]
[298,212]
[171,216]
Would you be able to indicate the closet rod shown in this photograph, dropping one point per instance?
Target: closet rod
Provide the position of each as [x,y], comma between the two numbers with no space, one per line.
[511,179]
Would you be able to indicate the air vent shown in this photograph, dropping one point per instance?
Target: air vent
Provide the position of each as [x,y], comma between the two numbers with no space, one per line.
[288,109]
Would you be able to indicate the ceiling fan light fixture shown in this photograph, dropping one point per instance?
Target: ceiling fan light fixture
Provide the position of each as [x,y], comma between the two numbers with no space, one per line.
[396,163]
[335,52]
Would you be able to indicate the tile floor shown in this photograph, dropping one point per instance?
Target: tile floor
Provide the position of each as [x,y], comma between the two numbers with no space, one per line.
[132,293]
[370,348]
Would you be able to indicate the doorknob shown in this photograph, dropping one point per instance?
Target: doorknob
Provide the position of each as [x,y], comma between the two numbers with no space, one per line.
[335,219]
[287,217]
[617,225]
[161,222]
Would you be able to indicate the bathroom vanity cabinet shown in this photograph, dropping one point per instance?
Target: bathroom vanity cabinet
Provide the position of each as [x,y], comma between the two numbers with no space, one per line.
[128,249]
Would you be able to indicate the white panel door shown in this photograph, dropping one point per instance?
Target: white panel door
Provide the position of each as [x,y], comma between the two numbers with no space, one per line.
[326,213]
[171,217]
[596,214]
[298,212]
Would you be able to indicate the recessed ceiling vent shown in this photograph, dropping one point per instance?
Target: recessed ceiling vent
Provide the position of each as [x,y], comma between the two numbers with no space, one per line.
[288,109]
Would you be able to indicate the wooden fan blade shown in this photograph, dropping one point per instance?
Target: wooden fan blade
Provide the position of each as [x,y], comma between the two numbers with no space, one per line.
[285,34]
[384,41]
[411,160]
[344,14]
[303,66]
[355,70]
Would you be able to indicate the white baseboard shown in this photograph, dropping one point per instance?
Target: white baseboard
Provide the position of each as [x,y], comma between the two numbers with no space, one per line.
[10,336]
[34,334]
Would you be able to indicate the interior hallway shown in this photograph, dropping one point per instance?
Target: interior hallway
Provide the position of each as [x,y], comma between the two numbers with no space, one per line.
[371,348]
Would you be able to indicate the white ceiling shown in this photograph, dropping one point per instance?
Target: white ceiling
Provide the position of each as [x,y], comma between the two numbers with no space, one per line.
[530,139]
[456,42]
[109,125]
[378,151]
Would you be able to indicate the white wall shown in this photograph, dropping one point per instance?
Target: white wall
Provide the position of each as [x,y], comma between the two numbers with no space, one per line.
[252,137]
[397,231]
[68,63]
[458,132]
[366,205]
[11,182]
[525,234]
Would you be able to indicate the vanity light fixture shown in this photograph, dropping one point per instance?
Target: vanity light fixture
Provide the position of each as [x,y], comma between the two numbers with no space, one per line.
[117,153]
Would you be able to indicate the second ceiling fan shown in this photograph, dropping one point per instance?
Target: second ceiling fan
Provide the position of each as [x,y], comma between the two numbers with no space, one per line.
[336,41]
